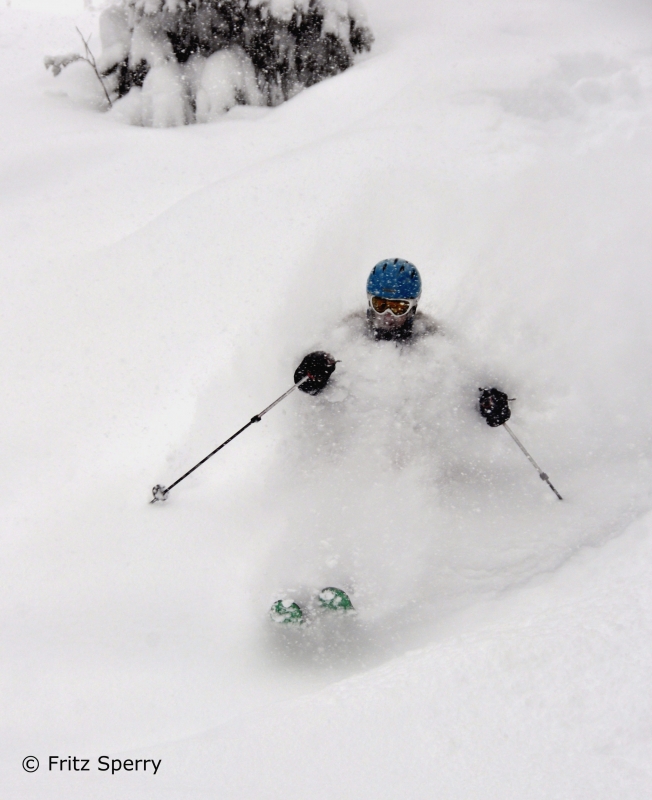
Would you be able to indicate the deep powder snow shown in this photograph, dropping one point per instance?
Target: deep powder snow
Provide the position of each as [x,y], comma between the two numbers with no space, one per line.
[160,287]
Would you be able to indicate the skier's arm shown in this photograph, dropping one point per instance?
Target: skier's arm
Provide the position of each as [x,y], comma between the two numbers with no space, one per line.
[494,406]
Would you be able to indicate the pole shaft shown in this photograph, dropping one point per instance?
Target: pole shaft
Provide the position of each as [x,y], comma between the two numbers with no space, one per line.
[542,474]
[210,455]
[518,442]
[282,397]
[255,418]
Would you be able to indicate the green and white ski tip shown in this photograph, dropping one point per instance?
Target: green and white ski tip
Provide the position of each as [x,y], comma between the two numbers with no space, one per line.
[335,599]
[286,612]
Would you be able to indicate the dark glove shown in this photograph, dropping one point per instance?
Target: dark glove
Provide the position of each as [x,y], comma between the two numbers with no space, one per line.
[318,366]
[494,407]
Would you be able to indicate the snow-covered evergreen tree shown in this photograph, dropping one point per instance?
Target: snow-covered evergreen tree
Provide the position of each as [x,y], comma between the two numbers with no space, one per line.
[179,61]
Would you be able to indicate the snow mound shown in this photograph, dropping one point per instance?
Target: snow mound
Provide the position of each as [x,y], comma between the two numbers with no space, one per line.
[195,61]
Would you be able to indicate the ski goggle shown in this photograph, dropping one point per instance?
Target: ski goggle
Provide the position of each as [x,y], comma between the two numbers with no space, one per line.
[397,307]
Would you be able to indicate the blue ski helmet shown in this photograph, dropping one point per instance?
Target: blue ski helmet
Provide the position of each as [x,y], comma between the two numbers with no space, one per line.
[394,278]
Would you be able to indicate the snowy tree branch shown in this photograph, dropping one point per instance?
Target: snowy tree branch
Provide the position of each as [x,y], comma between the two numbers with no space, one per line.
[57,63]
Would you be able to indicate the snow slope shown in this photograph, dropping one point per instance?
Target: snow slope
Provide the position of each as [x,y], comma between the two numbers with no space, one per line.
[159,287]
[540,693]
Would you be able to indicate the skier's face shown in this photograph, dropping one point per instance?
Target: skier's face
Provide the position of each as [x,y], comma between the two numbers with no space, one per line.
[391,314]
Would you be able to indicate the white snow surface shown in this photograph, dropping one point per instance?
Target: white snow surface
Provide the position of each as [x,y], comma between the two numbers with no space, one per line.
[160,285]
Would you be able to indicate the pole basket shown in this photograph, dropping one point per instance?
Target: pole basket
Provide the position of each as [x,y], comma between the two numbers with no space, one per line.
[159,493]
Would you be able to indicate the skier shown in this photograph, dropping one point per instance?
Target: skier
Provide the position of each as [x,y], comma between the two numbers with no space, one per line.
[393,292]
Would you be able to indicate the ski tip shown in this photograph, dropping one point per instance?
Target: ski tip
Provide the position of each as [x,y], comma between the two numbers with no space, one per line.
[335,599]
[286,612]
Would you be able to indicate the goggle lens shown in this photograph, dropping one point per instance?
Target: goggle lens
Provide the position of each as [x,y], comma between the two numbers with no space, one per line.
[397,307]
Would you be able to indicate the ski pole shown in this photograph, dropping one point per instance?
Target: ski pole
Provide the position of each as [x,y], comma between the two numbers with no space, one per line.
[161,492]
[542,474]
